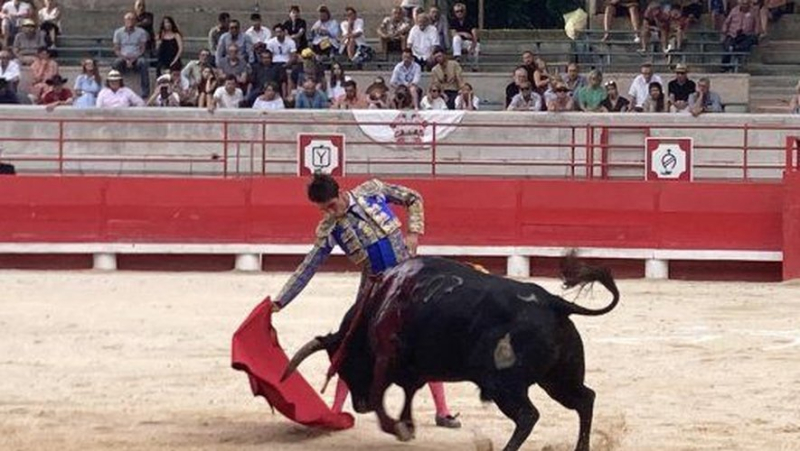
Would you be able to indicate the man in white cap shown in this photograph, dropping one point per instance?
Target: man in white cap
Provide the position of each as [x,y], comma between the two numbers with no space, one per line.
[164,95]
[27,43]
[116,95]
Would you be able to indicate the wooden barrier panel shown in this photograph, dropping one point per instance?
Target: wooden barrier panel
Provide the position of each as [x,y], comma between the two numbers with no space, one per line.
[791,225]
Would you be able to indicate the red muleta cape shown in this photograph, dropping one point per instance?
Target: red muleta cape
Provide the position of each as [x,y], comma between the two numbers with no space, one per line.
[256,351]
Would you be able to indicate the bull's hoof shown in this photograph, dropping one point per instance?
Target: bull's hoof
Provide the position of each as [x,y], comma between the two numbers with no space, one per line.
[411,427]
[402,432]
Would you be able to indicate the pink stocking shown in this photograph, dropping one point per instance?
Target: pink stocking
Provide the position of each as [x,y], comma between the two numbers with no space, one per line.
[437,390]
[341,396]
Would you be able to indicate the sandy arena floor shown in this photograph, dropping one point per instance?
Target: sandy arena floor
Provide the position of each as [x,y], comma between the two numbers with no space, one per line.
[125,361]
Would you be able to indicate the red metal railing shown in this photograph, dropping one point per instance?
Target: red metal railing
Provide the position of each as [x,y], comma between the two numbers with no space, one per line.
[586,154]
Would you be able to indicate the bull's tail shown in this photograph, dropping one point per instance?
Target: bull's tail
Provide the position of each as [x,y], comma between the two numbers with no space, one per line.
[575,273]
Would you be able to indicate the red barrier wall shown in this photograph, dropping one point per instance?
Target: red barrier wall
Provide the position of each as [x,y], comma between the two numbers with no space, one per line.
[459,212]
[791,226]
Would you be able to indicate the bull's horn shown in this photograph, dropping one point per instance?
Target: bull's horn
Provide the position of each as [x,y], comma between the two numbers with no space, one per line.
[311,347]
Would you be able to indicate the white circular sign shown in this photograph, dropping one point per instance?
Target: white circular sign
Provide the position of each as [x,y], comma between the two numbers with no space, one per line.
[321,156]
[668,161]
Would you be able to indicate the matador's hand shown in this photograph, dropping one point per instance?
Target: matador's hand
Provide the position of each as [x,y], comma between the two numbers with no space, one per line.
[412,241]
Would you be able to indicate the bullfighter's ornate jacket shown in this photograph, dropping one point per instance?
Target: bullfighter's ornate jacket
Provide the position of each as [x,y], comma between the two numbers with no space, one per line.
[369,234]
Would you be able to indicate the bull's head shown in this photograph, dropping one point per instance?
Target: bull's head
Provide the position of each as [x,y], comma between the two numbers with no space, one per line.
[356,364]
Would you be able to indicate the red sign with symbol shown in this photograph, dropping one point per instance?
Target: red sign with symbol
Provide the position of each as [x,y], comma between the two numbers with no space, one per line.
[320,153]
[668,159]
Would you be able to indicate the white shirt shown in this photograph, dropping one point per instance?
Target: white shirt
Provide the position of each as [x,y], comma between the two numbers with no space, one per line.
[261,35]
[123,98]
[225,100]
[406,75]
[11,73]
[333,32]
[18,12]
[411,3]
[50,16]
[423,42]
[640,89]
[281,50]
[435,104]
[476,102]
[274,104]
[358,25]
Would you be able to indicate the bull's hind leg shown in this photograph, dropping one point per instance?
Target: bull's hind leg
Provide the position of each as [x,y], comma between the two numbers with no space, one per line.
[518,407]
[575,397]
[406,416]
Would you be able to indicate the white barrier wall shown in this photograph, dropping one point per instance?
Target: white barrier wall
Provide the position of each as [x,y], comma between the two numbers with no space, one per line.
[513,139]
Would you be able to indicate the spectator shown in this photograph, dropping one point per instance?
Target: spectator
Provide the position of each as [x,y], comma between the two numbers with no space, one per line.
[310,97]
[296,28]
[657,18]
[281,46]
[164,95]
[464,31]
[351,99]
[216,32]
[447,73]
[269,100]
[13,13]
[541,76]
[434,99]
[772,11]
[614,103]
[9,69]
[325,33]
[5,168]
[794,103]
[409,6]
[529,63]
[28,42]
[258,33]
[440,24]
[407,73]
[234,36]
[740,31]
[550,94]
[573,78]
[169,46]
[680,89]
[192,72]
[145,21]
[704,100]
[525,99]
[422,39]
[266,72]
[393,31]
[180,85]
[378,94]
[592,95]
[562,101]
[620,7]
[520,76]
[466,99]
[353,38]
[336,82]
[234,65]
[717,9]
[43,69]
[50,21]
[115,94]
[309,67]
[57,95]
[87,85]
[656,102]
[207,87]
[402,98]
[8,96]
[130,43]
[227,96]
[692,10]
[640,88]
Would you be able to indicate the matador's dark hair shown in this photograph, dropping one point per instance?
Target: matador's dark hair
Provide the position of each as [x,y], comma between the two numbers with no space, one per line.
[322,188]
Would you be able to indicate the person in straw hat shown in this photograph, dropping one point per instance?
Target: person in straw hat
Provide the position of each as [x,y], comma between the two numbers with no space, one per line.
[680,88]
[116,94]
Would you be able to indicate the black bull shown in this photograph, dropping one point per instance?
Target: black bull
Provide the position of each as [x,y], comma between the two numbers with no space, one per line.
[433,319]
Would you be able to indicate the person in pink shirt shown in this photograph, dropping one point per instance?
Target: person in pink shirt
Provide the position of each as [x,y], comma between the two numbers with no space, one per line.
[116,95]
[351,99]
[740,31]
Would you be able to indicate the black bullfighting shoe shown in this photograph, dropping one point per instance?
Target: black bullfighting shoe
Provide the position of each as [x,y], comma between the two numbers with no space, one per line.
[449,421]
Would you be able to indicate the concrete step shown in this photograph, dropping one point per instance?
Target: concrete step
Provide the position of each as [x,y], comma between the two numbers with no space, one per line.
[777,52]
[772,69]
[783,81]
